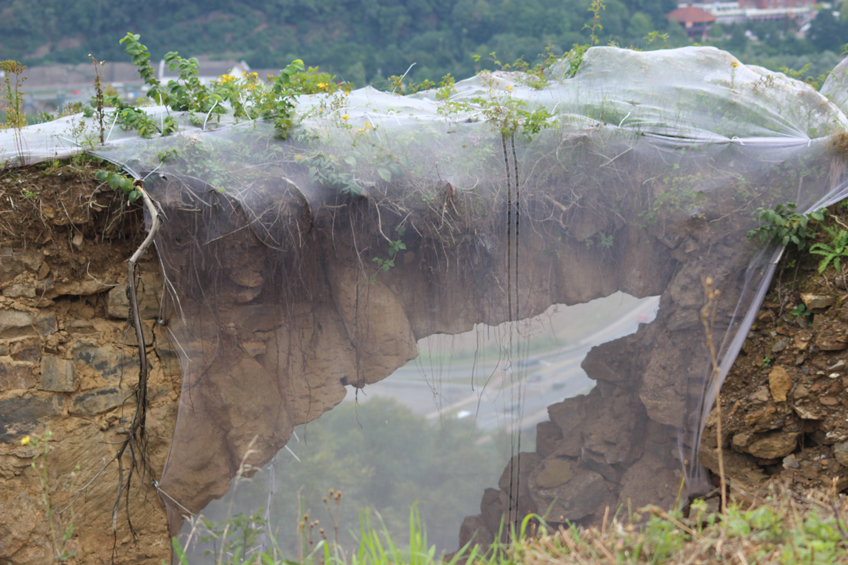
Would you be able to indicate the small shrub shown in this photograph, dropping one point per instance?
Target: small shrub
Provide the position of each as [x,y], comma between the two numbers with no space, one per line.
[786,226]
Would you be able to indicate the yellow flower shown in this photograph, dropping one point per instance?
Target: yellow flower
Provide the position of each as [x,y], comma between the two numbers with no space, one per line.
[26,440]
[508,87]
[322,86]
[734,64]
[367,125]
[345,117]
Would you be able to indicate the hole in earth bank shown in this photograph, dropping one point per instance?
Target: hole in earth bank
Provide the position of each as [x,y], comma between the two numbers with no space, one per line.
[435,434]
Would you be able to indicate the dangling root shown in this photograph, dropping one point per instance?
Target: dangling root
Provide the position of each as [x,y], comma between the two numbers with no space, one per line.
[136,439]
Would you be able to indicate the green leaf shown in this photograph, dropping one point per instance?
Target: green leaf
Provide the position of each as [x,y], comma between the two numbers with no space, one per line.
[384,174]
[350,160]
[114,181]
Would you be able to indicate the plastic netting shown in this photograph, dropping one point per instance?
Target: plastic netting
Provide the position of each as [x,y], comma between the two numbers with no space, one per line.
[417,298]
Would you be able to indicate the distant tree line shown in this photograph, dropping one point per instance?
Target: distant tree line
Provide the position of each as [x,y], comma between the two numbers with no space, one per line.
[366,41]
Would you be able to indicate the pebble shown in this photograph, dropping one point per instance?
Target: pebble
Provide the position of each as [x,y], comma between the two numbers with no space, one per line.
[836,366]
[780,345]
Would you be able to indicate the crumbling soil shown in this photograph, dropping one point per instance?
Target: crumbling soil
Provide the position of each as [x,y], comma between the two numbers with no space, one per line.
[68,364]
[55,208]
[784,404]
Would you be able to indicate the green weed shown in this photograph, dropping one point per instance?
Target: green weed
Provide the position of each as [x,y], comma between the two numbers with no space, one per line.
[786,226]
[833,250]
[119,182]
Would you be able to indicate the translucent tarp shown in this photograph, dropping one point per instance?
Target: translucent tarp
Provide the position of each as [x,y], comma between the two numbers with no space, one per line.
[300,274]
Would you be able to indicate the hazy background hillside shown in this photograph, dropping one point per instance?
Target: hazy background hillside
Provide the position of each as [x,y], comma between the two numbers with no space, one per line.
[367,40]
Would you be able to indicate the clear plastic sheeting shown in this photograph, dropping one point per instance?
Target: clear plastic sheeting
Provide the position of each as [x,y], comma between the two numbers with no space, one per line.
[334,263]
[835,87]
[435,434]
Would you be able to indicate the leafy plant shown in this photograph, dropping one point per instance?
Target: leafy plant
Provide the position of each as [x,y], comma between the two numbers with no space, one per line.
[323,171]
[786,226]
[248,96]
[800,311]
[596,8]
[187,93]
[834,250]
[395,246]
[280,106]
[575,59]
[119,182]
[313,81]
[140,56]
[655,35]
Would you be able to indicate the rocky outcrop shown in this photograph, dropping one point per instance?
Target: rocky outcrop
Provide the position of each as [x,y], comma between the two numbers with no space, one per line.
[69,365]
[277,319]
[785,405]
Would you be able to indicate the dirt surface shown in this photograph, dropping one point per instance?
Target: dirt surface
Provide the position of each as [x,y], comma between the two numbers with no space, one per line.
[52,207]
[785,402]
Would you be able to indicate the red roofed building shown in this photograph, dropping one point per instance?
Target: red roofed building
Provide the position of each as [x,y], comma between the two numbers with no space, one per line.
[695,20]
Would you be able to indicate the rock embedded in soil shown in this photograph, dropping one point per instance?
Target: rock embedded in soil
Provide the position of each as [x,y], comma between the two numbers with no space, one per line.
[16,376]
[817,301]
[840,452]
[99,401]
[20,290]
[801,392]
[780,345]
[775,445]
[57,375]
[779,383]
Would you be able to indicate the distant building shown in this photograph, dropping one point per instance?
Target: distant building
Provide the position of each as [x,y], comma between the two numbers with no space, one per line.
[756,10]
[50,87]
[694,20]
[774,4]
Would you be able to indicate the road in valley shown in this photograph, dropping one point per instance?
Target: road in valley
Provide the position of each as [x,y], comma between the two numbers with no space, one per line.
[511,394]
